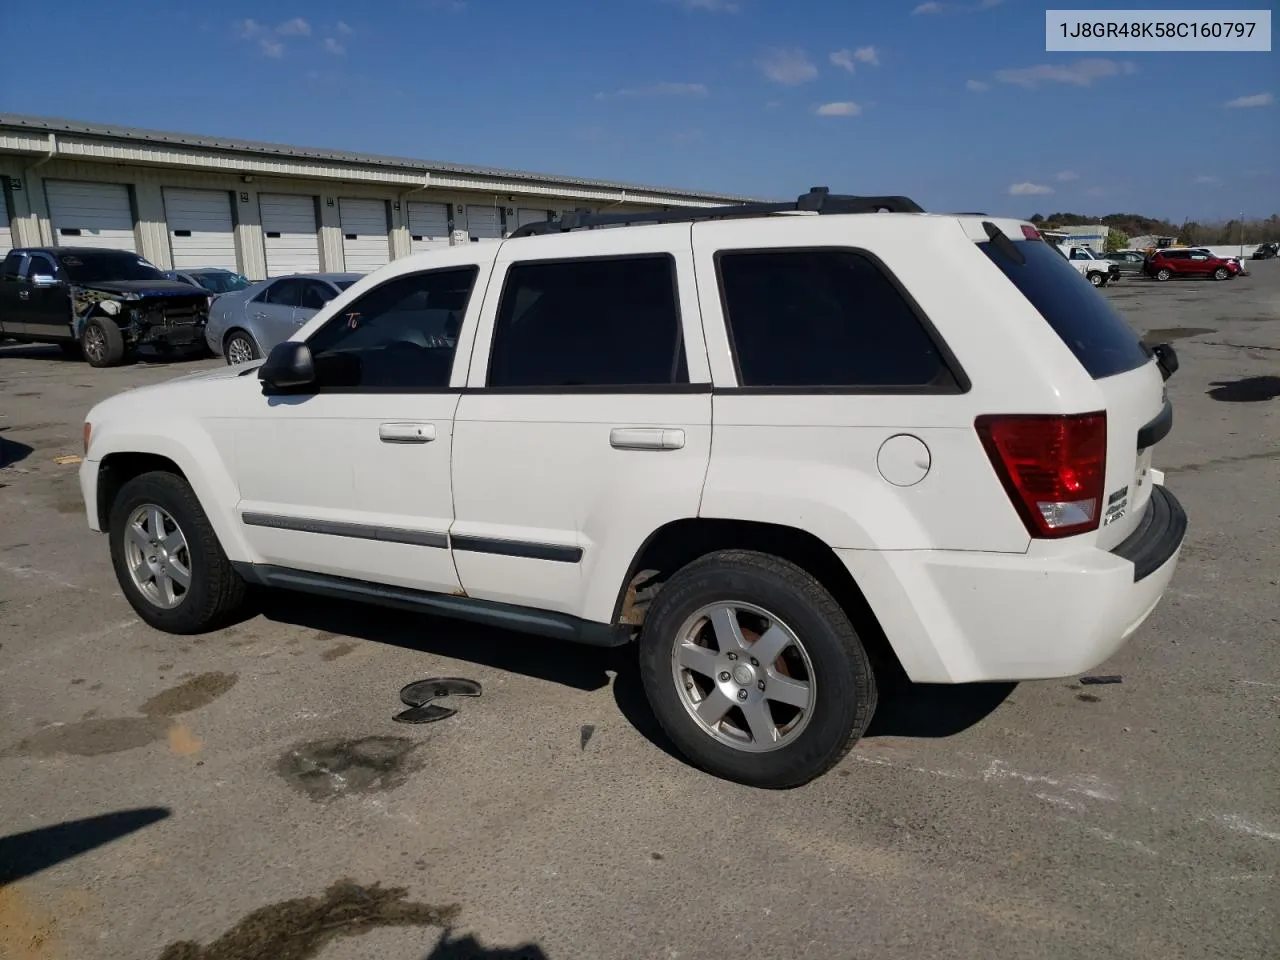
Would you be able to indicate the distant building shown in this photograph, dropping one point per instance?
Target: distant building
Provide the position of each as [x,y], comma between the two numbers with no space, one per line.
[1093,236]
[1151,241]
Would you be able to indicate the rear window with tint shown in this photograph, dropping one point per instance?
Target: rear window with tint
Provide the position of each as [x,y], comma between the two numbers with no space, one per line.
[1100,338]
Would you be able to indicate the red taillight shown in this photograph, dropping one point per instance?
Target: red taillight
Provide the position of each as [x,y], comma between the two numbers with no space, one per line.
[1053,467]
[1030,233]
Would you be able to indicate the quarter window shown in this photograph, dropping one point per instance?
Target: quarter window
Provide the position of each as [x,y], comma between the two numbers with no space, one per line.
[823,318]
[600,322]
[398,337]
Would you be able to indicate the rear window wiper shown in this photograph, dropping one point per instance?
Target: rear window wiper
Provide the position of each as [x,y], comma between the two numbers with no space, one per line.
[1003,243]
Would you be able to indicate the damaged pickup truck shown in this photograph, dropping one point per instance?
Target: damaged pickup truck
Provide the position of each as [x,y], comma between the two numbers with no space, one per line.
[96,303]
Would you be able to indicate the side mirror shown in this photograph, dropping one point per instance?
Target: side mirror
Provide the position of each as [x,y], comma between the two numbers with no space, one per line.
[43,280]
[288,365]
[1166,358]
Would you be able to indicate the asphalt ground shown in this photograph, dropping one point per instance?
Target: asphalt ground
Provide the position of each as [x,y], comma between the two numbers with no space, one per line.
[246,794]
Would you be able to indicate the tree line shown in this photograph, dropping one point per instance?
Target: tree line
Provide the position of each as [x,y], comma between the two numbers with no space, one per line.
[1190,232]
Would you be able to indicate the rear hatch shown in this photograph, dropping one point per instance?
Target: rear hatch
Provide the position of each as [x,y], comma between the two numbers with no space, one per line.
[1110,351]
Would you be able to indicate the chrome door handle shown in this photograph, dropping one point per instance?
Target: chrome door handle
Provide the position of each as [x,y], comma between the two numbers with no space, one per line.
[24,294]
[646,438]
[407,432]
[259,316]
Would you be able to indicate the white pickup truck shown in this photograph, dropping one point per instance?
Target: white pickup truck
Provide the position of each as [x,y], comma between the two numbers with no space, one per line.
[1095,269]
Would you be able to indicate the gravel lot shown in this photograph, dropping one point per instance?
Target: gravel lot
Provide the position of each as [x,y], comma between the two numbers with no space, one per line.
[261,792]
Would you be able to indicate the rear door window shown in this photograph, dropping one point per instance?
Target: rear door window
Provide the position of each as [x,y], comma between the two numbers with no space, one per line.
[1094,331]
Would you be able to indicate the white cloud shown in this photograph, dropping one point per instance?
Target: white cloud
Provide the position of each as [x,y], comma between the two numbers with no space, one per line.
[977,86]
[1253,100]
[1066,176]
[788,66]
[334,47]
[343,28]
[842,59]
[1026,189]
[252,29]
[867,55]
[1082,73]
[930,7]
[664,89]
[840,108]
[1204,180]
[297,27]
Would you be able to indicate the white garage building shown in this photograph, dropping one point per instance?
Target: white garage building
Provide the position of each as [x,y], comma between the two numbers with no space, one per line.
[264,209]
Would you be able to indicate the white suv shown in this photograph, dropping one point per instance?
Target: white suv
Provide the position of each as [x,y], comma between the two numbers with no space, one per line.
[788,454]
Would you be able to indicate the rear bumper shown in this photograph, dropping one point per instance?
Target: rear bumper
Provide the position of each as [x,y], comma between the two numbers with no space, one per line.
[962,617]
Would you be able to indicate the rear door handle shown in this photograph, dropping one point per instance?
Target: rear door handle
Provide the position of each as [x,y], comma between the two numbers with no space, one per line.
[646,438]
[407,432]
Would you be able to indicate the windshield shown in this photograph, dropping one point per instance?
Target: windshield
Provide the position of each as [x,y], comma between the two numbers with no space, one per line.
[107,265]
[221,282]
[1084,318]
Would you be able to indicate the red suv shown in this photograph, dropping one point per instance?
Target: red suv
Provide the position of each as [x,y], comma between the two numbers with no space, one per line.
[1166,264]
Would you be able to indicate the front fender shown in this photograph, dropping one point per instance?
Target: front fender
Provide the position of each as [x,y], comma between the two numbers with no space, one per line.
[196,454]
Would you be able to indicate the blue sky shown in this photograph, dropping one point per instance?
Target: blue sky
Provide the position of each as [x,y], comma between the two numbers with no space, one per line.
[954,103]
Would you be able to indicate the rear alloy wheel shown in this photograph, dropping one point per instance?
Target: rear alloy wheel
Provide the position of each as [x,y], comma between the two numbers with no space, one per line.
[1097,279]
[167,558]
[754,670]
[1221,273]
[1164,273]
[239,348]
[102,342]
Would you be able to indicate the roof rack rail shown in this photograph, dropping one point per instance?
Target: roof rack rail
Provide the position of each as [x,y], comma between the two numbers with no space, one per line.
[817,200]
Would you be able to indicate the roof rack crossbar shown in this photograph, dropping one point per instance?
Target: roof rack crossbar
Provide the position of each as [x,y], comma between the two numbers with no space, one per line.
[818,200]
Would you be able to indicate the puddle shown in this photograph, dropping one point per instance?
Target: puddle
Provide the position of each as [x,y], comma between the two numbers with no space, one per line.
[1165,334]
[197,692]
[324,769]
[93,738]
[299,929]
[1246,390]
[341,650]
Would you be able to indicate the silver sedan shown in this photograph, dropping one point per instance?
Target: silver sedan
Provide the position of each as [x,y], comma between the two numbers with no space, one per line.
[245,324]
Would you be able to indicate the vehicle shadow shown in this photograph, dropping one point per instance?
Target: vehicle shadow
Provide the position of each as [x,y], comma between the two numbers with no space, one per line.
[144,355]
[1245,390]
[23,854]
[905,709]
[469,948]
[11,451]
[569,664]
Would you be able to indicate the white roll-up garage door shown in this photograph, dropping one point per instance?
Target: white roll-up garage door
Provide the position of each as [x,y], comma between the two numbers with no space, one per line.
[366,246]
[201,231]
[428,225]
[90,214]
[6,236]
[484,223]
[290,239]
[524,216]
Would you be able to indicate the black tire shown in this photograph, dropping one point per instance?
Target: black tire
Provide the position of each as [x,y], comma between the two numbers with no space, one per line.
[1098,279]
[1164,273]
[244,341]
[102,342]
[216,592]
[844,680]
[1222,273]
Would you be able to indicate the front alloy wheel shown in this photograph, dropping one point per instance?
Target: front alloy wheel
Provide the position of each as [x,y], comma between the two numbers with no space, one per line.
[157,555]
[1163,274]
[240,349]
